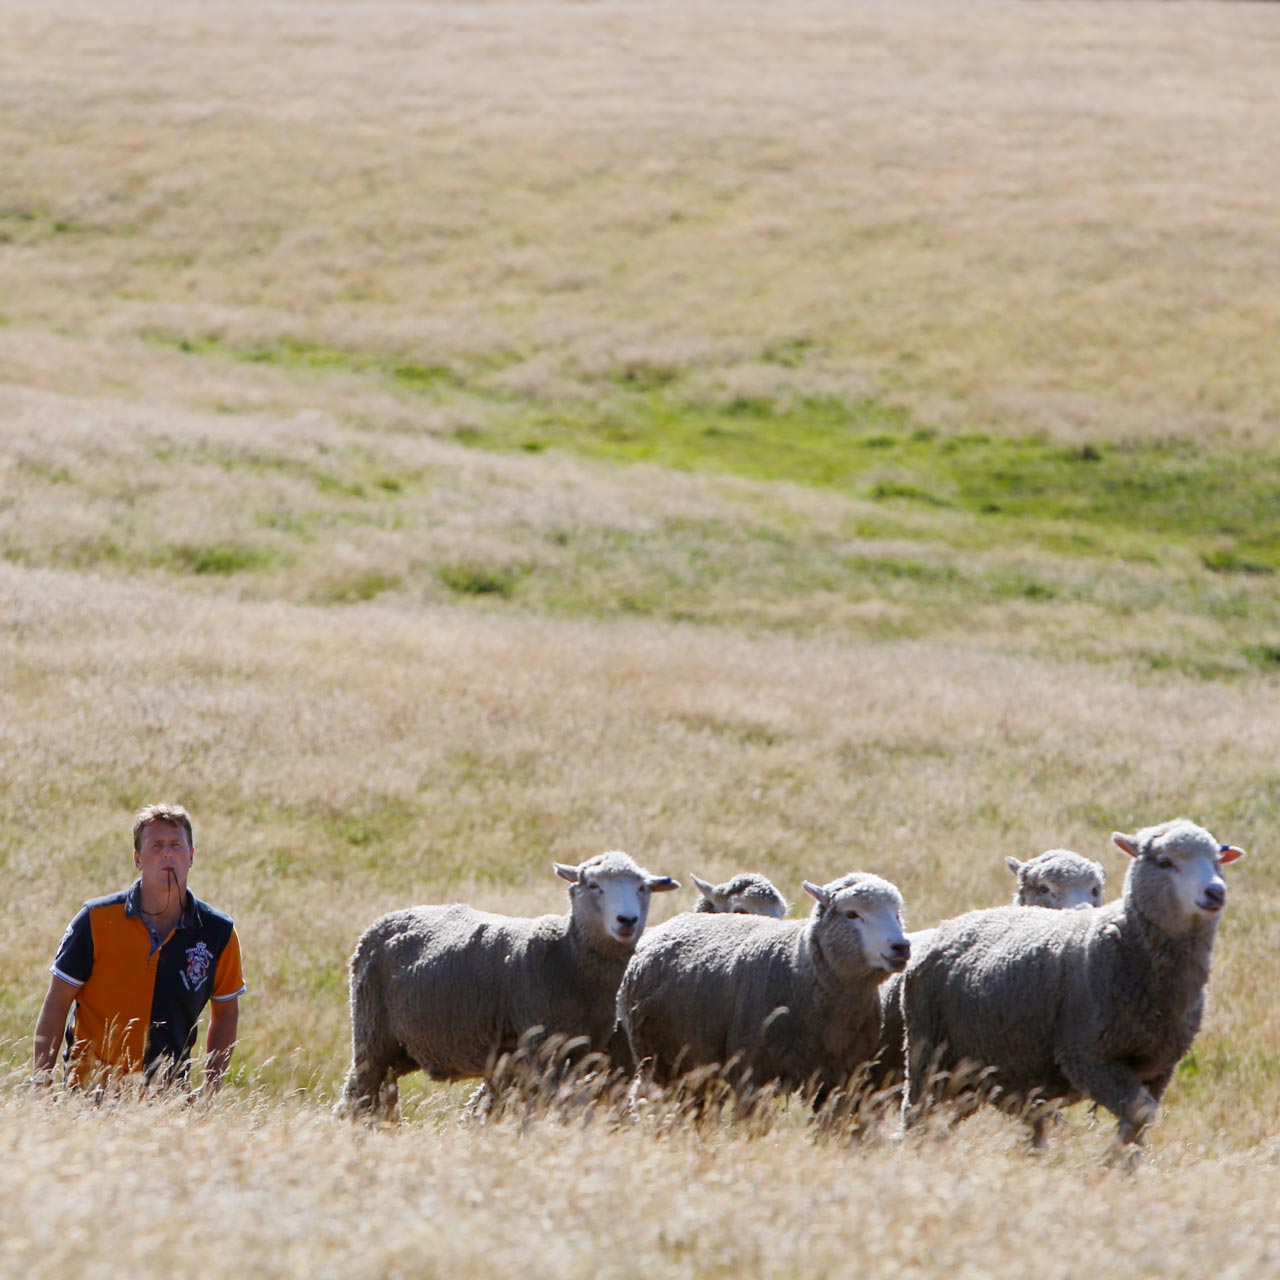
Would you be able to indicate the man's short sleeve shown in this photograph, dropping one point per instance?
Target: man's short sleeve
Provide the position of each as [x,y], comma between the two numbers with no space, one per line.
[74,961]
[228,981]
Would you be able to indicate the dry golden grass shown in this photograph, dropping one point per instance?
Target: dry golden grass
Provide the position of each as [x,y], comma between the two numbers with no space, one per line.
[1018,216]
[261,573]
[340,763]
[563,1202]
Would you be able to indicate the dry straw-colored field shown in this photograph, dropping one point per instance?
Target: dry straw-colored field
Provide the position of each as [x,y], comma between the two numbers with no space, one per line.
[437,439]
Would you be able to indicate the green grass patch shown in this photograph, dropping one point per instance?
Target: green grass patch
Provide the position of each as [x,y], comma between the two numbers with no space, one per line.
[1113,500]
[53,473]
[1102,499]
[1229,560]
[327,978]
[1265,656]
[790,354]
[301,354]
[223,558]
[479,580]
[368,586]
[371,828]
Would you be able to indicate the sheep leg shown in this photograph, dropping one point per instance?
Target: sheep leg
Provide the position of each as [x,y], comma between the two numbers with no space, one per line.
[368,1090]
[479,1106]
[1042,1119]
[926,1081]
[913,1096]
[1117,1088]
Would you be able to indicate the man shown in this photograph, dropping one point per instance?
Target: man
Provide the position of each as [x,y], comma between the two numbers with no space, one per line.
[139,967]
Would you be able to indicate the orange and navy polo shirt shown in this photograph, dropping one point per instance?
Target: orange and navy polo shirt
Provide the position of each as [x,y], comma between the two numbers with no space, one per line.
[136,1010]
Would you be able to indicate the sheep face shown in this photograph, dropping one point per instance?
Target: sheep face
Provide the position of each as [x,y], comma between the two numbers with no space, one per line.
[610,895]
[1176,874]
[859,918]
[745,895]
[1059,879]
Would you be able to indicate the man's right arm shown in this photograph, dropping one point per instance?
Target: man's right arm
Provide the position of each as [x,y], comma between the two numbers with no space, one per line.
[51,1025]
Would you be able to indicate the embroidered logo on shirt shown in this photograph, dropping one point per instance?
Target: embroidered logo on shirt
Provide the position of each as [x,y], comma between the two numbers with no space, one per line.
[199,960]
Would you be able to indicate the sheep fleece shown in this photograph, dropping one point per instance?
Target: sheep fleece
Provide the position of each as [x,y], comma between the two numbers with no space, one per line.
[460,986]
[1026,989]
[703,988]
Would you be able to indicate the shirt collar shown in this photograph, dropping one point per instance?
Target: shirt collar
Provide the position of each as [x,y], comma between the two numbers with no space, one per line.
[190,911]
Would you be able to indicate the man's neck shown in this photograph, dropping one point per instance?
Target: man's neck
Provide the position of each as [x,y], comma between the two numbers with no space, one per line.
[162,908]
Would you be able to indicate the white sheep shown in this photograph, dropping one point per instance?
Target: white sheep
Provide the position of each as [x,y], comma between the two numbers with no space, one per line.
[768,1001]
[1058,879]
[746,894]
[448,989]
[1060,1006]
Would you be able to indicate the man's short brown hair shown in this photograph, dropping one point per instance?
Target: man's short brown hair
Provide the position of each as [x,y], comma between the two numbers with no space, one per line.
[174,813]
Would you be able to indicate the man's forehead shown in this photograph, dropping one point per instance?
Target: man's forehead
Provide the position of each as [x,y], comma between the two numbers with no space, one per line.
[163,828]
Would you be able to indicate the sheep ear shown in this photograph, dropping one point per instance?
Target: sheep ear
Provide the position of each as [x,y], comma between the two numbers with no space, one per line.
[1127,843]
[566,873]
[663,884]
[1013,864]
[817,892]
[708,891]
[1230,853]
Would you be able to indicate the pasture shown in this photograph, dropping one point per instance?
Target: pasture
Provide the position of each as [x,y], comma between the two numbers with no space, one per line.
[437,439]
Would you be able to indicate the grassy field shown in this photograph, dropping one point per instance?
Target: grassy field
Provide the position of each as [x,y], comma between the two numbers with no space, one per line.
[437,439]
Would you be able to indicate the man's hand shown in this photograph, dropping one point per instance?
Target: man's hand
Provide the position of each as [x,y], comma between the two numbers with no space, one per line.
[51,1025]
[224,1020]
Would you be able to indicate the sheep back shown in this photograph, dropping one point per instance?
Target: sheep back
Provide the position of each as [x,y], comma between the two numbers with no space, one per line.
[1046,999]
[740,990]
[456,987]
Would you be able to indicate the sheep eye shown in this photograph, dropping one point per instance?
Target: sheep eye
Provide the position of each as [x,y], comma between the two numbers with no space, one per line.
[853,915]
[1165,864]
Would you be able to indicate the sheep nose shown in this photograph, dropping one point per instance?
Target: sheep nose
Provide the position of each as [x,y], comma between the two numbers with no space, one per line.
[628,921]
[1216,894]
[902,949]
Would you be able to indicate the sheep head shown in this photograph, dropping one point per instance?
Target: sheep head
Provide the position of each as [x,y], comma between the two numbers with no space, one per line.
[610,896]
[1176,873]
[747,894]
[1059,879]
[859,919]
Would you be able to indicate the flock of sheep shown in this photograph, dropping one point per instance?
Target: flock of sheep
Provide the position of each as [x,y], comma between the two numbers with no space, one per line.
[1052,1000]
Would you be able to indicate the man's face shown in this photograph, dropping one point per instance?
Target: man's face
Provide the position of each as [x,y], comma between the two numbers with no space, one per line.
[164,856]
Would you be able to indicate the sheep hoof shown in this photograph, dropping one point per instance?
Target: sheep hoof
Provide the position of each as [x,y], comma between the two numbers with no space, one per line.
[1142,1111]
[1126,1151]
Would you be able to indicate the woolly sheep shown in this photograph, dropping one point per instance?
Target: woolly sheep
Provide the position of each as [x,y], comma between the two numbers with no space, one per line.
[748,894]
[790,1001]
[1059,1006]
[448,989]
[1059,879]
